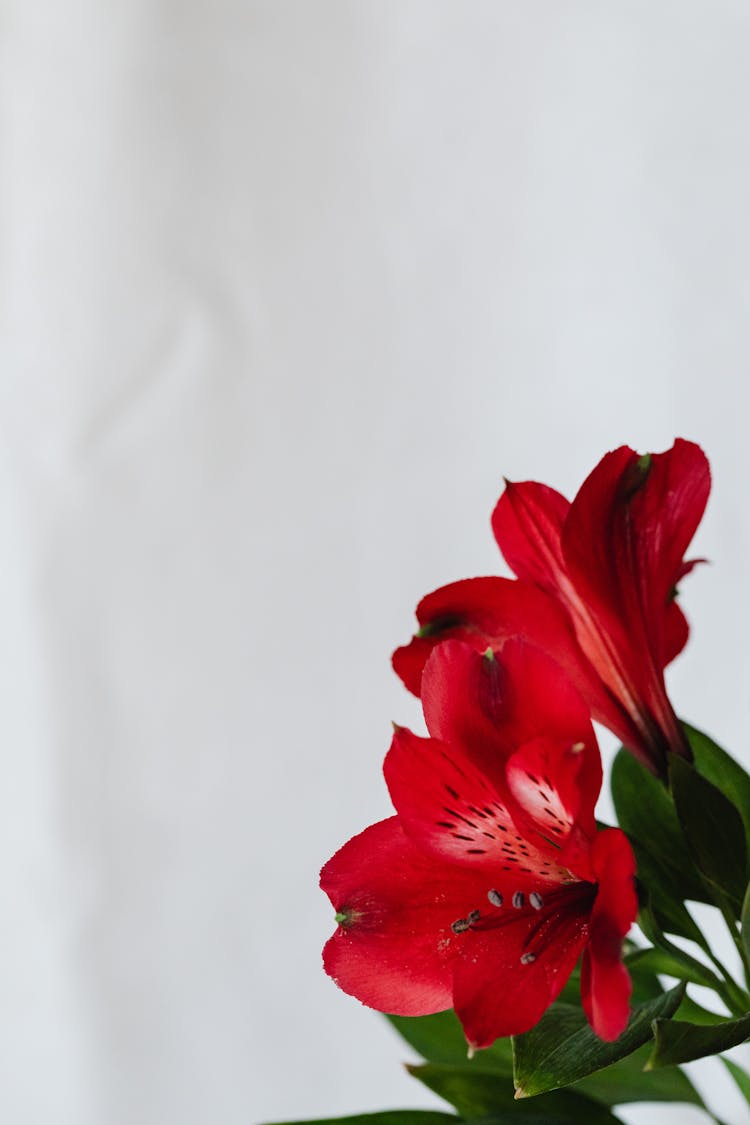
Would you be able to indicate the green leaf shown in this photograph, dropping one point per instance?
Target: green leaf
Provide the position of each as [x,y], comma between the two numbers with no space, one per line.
[479,1092]
[741,1077]
[646,813]
[626,1081]
[388,1117]
[654,931]
[727,775]
[713,828]
[694,1013]
[676,1041]
[669,964]
[440,1039]
[562,1048]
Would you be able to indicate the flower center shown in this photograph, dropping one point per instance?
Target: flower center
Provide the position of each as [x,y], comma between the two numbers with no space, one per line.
[550,909]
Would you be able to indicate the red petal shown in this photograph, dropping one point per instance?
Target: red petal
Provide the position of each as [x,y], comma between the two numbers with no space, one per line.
[605,994]
[485,612]
[625,577]
[453,811]
[651,511]
[495,993]
[554,787]
[605,984]
[409,660]
[527,522]
[676,632]
[480,611]
[395,951]
[491,706]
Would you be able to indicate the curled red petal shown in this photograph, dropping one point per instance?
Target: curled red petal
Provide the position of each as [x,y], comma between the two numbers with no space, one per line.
[554,787]
[409,660]
[676,632]
[455,812]
[484,612]
[528,521]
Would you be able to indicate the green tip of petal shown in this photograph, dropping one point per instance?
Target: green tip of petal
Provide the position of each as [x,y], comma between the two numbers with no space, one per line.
[635,477]
[342,919]
[425,630]
[488,654]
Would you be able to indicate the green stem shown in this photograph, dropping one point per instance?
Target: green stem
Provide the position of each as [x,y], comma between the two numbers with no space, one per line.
[734,996]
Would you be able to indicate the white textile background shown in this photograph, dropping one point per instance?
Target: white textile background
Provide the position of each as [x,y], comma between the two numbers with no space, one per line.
[286,287]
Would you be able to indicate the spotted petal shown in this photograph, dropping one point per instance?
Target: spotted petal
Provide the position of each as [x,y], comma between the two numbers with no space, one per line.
[553,789]
[451,810]
[509,976]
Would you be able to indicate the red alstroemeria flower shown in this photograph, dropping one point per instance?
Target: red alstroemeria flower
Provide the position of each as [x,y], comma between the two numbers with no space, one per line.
[492,879]
[596,589]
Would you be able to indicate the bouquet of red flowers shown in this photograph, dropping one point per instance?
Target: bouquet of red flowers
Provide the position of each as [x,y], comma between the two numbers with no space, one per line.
[493,892]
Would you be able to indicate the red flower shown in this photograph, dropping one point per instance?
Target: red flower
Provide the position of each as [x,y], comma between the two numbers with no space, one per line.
[492,879]
[596,589]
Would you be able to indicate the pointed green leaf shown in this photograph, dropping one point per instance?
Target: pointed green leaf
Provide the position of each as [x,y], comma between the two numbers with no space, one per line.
[713,828]
[626,1081]
[676,1041]
[726,774]
[440,1038]
[741,1077]
[562,1048]
[682,967]
[477,1092]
